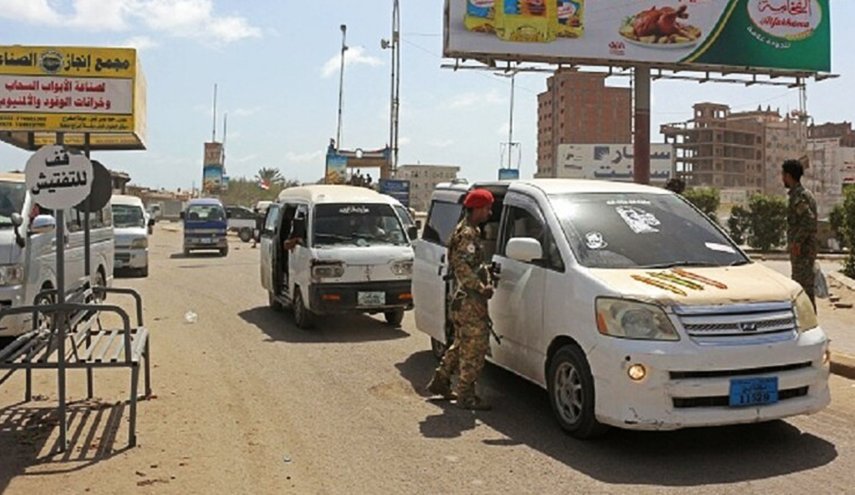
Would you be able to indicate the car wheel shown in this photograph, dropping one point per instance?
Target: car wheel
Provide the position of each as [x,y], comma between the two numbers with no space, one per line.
[100,281]
[302,315]
[245,234]
[571,393]
[274,304]
[224,252]
[394,317]
[186,252]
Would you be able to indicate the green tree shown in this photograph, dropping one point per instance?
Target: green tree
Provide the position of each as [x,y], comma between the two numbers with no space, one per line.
[768,223]
[739,224]
[848,229]
[836,218]
[705,199]
[246,192]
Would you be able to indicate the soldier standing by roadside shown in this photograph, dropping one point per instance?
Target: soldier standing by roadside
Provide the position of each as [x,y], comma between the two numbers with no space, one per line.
[468,307]
[801,227]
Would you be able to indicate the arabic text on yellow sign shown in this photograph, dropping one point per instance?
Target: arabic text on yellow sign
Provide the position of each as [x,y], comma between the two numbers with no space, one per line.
[68,61]
[65,122]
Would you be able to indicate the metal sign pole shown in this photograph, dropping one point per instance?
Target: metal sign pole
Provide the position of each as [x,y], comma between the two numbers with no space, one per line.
[87,250]
[59,321]
[641,139]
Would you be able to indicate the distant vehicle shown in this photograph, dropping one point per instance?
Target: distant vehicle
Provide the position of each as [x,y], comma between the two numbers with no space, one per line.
[154,211]
[205,226]
[130,227]
[242,221]
[353,254]
[28,250]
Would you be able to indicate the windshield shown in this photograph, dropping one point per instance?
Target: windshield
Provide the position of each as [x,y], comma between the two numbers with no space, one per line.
[206,213]
[641,231]
[128,216]
[357,224]
[11,201]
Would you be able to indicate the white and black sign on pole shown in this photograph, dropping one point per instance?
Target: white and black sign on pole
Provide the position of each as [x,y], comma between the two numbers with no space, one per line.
[58,178]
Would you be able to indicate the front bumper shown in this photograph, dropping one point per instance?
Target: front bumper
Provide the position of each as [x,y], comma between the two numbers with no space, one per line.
[14,325]
[130,258]
[205,242]
[689,386]
[345,298]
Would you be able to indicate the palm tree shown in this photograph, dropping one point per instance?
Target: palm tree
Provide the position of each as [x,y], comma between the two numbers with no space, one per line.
[269,176]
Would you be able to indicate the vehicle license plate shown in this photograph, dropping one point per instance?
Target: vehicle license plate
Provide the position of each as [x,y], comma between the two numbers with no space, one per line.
[753,391]
[370,298]
[206,240]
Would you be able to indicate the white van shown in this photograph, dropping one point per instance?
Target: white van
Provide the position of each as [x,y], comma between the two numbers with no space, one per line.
[353,256]
[630,307]
[28,250]
[131,228]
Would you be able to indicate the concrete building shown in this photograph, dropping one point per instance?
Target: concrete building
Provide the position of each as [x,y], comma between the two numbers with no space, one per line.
[423,179]
[578,108]
[831,153]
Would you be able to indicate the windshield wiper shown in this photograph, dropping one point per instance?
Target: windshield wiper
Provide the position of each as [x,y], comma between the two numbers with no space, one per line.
[675,264]
[740,263]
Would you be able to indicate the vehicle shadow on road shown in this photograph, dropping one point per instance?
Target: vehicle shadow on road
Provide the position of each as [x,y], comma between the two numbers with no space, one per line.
[279,327]
[205,254]
[29,436]
[684,458]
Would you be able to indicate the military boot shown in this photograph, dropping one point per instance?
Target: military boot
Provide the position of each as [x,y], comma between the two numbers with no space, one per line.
[474,403]
[440,384]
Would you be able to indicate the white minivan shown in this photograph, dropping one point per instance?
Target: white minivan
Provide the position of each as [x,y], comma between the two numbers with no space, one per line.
[131,228]
[28,250]
[630,307]
[353,254]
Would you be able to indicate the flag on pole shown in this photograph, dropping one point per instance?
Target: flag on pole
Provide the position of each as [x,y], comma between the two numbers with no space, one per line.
[263,185]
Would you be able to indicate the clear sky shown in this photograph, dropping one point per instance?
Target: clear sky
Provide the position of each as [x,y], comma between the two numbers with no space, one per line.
[276,64]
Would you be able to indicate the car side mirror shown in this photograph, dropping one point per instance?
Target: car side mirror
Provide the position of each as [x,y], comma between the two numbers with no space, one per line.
[524,249]
[43,224]
[181,215]
[151,222]
[17,219]
[413,232]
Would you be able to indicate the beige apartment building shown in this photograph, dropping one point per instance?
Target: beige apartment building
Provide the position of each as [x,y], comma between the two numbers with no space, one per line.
[578,108]
[423,179]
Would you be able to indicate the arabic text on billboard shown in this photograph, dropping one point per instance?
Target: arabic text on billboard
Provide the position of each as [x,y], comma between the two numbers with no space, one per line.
[770,34]
[612,162]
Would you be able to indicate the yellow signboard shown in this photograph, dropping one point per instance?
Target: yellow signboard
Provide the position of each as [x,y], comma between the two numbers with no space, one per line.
[79,90]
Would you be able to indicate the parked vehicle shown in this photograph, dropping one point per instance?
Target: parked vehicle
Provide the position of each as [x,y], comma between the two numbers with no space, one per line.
[28,250]
[630,307]
[241,221]
[205,225]
[351,254]
[131,228]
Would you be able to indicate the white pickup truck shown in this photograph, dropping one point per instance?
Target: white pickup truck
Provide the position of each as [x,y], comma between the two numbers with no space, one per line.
[242,221]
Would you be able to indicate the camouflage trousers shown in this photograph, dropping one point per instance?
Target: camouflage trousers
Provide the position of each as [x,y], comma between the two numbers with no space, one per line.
[469,349]
[802,272]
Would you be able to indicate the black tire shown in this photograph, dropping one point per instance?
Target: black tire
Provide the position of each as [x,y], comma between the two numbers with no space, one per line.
[186,252]
[437,348]
[245,234]
[273,303]
[302,315]
[144,271]
[571,393]
[394,317]
[224,252]
[100,281]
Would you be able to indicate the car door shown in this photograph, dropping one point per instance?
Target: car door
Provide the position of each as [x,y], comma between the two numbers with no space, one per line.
[518,302]
[430,264]
[268,247]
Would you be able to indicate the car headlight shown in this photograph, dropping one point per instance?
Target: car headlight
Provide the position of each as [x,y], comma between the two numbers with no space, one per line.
[140,243]
[633,320]
[327,269]
[805,314]
[11,274]
[401,268]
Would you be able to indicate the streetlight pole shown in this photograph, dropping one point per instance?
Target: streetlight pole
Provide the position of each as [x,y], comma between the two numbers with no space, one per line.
[395,46]
[511,122]
[341,85]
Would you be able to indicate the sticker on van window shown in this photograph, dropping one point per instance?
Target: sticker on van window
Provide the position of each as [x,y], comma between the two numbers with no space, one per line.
[639,220]
[614,202]
[351,210]
[722,248]
[594,240]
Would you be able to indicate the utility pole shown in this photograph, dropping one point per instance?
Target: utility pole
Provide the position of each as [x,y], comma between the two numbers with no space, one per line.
[214,126]
[341,86]
[394,107]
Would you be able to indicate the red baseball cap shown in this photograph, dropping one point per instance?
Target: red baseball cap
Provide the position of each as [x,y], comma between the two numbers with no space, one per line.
[478,198]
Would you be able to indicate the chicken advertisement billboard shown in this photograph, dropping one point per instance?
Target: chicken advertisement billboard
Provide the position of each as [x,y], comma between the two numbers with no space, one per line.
[766,36]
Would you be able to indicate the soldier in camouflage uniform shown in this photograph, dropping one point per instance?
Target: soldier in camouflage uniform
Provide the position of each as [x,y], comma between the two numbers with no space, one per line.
[801,227]
[468,307]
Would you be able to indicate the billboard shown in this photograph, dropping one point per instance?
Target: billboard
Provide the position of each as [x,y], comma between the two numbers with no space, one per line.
[398,189]
[336,171]
[212,168]
[74,90]
[612,162]
[740,35]
[509,174]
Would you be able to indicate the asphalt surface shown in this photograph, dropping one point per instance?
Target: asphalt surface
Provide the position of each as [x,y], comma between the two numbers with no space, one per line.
[248,403]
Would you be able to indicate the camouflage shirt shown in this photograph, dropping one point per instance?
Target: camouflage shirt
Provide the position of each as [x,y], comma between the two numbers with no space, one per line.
[466,257]
[801,219]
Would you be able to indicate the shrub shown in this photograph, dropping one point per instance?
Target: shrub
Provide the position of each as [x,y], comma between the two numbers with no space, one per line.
[768,221]
[739,224]
[705,199]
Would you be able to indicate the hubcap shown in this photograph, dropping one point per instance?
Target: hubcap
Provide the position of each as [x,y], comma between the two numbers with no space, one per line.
[568,392]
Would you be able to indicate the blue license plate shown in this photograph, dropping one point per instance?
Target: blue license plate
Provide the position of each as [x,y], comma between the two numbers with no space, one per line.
[753,391]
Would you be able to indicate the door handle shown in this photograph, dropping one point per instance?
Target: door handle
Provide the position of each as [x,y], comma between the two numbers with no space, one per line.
[439,271]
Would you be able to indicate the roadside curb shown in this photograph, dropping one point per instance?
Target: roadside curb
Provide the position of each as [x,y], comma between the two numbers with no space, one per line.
[843,365]
[843,279]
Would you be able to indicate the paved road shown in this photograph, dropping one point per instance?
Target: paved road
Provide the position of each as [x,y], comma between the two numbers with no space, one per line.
[248,403]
